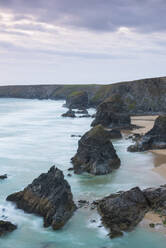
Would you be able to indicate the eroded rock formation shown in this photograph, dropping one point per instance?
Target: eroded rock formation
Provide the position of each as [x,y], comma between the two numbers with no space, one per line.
[111,113]
[49,196]
[77,100]
[124,210]
[154,139]
[95,154]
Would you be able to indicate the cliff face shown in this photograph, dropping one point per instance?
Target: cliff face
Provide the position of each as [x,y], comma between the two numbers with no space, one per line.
[140,96]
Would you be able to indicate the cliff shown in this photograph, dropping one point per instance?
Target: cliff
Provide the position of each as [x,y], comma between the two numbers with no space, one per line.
[140,96]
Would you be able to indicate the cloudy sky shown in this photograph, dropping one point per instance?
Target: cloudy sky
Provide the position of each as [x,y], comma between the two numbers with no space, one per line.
[81,41]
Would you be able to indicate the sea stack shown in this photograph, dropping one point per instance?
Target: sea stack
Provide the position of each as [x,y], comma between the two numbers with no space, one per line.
[154,139]
[96,154]
[48,196]
[77,100]
[112,113]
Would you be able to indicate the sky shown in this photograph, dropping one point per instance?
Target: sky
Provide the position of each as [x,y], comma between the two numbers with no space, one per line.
[81,41]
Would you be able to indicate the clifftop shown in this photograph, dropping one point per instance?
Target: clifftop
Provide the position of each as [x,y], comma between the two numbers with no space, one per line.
[140,96]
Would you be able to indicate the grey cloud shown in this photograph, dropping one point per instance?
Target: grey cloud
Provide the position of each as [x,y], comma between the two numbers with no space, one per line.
[97,15]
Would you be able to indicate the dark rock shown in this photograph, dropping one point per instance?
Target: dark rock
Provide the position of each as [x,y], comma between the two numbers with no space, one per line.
[92,221]
[115,134]
[93,116]
[6,227]
[83,111]
[49,196]
[70,169]
[3,176]
[123,211]
[156,198]
[74,135]
[69,113]
[69,175]
[85,116]
[83,203]
[111,113]
[154,139]
[77,100]
[95,154]
[152,225]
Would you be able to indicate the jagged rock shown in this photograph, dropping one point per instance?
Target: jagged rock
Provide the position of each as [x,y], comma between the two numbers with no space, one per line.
[154,139]
[123,211]
[6,227]
[48,196]
[3,176]
[111,113]
[156,198]
[69,113]
[77,100]
[95,154]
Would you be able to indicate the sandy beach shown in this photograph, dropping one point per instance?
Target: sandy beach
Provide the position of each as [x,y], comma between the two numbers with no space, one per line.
[152,221]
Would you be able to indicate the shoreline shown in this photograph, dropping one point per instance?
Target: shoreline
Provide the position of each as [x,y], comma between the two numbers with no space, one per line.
[152,221]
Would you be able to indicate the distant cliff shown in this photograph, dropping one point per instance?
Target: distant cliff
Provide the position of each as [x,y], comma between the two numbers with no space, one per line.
[140,96]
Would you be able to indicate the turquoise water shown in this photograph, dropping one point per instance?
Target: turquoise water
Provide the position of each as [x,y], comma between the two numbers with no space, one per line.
[33,137]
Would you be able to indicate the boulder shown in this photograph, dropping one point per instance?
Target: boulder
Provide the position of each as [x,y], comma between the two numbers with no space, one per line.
[123,211]
[77,100]
[111,113]
[48,196]
[154,139]
[6,227]
[69,113]
[95,154]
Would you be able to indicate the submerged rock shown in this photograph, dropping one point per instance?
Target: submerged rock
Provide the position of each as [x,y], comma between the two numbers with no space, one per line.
[124,210]
[77,100]
[3,176]
[49,196]
[154,139]
[95,154]
[111,113]
[6,227]
[69,113]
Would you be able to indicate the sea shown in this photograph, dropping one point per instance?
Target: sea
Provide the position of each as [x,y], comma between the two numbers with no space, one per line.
[33,137]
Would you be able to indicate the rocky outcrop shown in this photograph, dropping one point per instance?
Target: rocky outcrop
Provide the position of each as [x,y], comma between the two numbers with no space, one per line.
[77,100]
[154,139]
[3,176]
[69,113]
[95,154]
[139,96]
[111,113]
[6,227]
[49,196]
[124,210]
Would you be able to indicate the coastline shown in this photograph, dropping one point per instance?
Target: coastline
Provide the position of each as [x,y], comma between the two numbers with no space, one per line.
[152,221]
[146,123]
